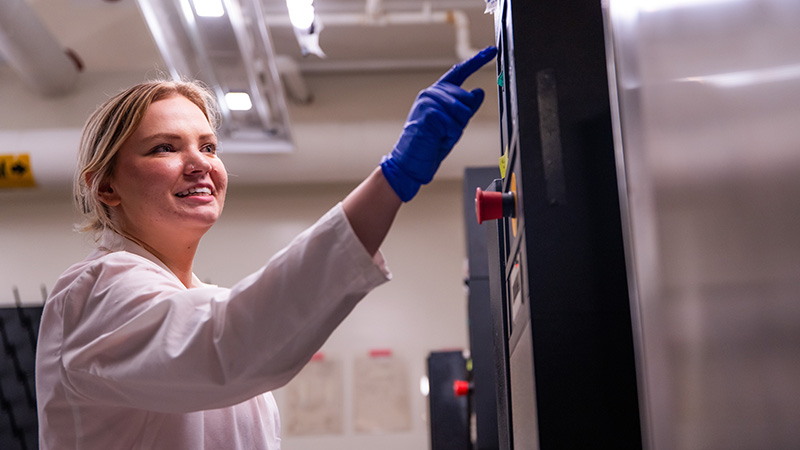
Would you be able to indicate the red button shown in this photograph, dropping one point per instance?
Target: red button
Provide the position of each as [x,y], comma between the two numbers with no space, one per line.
[460,388]
[494,205]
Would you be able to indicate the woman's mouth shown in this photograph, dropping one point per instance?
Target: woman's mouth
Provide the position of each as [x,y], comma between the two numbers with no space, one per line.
[194,191]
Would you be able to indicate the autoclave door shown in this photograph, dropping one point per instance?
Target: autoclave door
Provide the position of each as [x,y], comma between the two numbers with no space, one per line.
[706,107]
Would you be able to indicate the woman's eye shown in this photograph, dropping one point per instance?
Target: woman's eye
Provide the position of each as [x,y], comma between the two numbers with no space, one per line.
[210,148]
[162,149]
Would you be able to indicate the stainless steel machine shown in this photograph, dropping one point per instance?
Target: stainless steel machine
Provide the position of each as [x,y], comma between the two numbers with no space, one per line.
[645,280]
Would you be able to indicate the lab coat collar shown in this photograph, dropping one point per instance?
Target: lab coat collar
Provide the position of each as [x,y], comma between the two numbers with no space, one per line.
[111,241]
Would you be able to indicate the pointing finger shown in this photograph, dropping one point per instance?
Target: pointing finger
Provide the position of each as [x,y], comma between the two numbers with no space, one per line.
[461,71]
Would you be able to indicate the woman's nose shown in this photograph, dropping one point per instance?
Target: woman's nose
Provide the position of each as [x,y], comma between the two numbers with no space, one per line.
[196,162]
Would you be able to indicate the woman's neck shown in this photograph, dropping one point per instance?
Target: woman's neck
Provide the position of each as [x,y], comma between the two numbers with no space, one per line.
[176,254]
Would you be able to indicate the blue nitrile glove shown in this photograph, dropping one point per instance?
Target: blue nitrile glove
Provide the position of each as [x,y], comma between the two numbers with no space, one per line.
[433,127]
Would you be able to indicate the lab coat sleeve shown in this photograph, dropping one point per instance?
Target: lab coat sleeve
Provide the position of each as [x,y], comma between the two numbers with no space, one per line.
[139,339]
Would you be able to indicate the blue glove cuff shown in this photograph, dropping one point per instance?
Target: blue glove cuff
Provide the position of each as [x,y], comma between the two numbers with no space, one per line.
[404,186]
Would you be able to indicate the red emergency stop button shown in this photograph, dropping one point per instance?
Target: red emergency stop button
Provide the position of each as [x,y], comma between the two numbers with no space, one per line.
[460,388]
[494,205]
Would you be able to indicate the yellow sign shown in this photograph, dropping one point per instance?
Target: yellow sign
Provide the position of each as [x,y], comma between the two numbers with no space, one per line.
[15,171]
[503,163]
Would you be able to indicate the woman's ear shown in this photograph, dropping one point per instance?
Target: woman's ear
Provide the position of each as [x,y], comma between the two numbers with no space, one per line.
[105,192]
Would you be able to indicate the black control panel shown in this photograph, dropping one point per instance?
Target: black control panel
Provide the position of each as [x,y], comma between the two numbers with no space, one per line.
[559,290]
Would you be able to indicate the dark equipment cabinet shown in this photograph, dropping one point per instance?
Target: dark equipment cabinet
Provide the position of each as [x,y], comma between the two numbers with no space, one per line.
[19,329]
[449,414]
[485,343]
[568,380]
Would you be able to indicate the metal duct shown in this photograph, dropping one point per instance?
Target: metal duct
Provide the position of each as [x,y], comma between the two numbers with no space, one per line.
[33,52]
[375,15]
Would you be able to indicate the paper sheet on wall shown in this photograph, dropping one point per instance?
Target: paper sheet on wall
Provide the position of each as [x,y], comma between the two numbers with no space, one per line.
[314,401]
[381,400]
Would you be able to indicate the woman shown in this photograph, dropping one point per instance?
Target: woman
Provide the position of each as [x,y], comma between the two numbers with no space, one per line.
[134,351]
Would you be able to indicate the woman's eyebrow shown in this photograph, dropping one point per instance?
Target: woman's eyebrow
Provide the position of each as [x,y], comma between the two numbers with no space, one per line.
[161,137]
[175,137]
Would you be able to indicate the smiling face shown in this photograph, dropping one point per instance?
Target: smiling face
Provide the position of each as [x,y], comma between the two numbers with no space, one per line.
[167,181]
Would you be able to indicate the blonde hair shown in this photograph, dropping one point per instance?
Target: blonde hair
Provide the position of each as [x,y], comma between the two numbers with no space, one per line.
[109,127]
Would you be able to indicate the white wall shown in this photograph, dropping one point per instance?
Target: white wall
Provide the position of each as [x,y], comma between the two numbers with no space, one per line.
[422,309]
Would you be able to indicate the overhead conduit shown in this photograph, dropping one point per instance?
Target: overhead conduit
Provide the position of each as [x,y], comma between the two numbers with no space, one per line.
[374,14]
[33,52]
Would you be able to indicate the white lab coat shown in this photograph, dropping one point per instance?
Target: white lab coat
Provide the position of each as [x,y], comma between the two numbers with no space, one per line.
[129,358]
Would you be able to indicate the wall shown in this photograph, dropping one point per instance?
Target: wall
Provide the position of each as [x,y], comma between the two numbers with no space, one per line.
[422,309]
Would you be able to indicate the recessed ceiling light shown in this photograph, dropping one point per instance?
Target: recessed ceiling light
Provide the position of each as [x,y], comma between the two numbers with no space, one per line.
[301,13]
[238,101]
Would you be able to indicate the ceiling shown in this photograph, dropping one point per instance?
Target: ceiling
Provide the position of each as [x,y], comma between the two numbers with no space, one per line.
[356,102]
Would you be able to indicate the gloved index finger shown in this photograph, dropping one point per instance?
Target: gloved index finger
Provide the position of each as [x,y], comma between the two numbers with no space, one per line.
[461,71]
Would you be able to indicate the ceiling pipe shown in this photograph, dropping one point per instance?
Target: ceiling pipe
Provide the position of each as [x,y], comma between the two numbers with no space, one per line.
[33,52]
[464,48]
[375,15]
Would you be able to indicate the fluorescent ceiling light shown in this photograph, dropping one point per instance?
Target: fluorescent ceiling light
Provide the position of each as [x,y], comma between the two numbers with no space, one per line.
[238,101]
[208,8]
[301,13]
